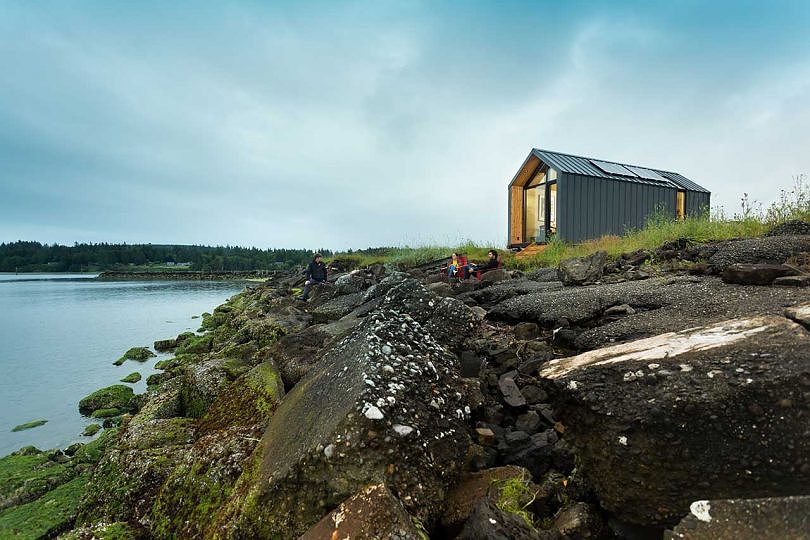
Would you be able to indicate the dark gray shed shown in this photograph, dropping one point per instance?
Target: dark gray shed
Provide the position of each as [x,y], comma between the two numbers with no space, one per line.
[577,198]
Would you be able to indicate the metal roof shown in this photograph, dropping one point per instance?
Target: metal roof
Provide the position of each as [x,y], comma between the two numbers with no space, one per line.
[571,164]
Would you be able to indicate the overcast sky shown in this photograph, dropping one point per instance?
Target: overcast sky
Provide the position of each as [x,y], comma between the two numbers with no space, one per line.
[357,124]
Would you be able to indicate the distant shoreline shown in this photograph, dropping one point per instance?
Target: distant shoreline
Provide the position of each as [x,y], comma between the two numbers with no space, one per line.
[183,275]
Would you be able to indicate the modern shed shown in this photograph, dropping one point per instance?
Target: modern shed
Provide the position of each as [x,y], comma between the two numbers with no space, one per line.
[577,198]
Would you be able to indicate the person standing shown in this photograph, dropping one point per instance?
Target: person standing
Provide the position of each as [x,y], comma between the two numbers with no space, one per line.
[316,273]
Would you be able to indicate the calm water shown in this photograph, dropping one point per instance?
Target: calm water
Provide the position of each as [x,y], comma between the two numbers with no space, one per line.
[59,335]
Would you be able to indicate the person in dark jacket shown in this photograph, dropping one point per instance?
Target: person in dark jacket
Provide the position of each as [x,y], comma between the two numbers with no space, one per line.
[491,264]
[316,273]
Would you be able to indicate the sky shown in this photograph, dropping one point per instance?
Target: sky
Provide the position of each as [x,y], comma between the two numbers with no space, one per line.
[358,124]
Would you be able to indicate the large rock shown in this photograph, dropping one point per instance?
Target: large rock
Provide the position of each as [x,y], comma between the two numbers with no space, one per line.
[337,307]
[201,384]
[755,274]
[659,305]
[384,405]
[350,283]
[295,354]
[126,481]
[793,227]
[712,412]
[488,522]
[582,270]
[745,519]
[117,396]
[768,250]
[373,513]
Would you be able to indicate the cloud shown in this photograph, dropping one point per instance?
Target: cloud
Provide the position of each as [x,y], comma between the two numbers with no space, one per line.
[371,124]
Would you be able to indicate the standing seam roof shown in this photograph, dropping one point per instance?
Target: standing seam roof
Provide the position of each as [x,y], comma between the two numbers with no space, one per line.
[571,164]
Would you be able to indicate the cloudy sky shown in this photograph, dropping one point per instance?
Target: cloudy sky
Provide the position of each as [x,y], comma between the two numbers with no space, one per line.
[356,124]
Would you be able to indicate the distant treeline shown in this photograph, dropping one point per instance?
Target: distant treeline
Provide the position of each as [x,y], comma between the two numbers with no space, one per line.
[35,257]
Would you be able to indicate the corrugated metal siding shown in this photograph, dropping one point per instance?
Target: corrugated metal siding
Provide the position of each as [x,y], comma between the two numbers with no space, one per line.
[697,203]
[589,207]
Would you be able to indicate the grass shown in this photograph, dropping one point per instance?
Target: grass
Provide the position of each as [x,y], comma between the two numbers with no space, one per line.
[515,497]
[50,514]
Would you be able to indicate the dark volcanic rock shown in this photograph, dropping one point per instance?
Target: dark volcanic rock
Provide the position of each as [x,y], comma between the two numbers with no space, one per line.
[295,354]
[582,270]
[384,404]
[350,283]
[660,305]
[712,412]
[794,227]
[745,519]
[792,281]
[507,289]
[580,521]
[337,307]
[768,250]
[488,522]
[755,274]
[372,513]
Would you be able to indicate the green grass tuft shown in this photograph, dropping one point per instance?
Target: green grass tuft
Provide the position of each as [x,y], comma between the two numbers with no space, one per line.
[514,497]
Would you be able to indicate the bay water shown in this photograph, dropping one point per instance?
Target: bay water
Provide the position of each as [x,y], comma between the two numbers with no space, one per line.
[61,333]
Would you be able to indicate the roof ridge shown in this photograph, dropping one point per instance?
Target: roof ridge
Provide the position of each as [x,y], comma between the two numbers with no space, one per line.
[606,161]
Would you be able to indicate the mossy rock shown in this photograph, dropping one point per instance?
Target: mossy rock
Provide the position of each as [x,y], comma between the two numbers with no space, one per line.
[214,321]
[201,384]
[132,378]
[93,451]
[24,478]
[248,401]
[184,337]
[91,430]
[105,413]
[29,425]
[196,344]
[47,516]
[163,345]
[117,396]
[126,480]
[141,354]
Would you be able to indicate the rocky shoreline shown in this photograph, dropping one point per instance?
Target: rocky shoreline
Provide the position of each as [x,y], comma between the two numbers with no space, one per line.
[603,399]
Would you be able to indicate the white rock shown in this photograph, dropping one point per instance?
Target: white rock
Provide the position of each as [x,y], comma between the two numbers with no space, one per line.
[402,430]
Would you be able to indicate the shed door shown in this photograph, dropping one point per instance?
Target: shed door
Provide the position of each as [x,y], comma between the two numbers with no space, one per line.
[680,205]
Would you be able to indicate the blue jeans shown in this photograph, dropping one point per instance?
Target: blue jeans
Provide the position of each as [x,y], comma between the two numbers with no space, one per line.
[307,287]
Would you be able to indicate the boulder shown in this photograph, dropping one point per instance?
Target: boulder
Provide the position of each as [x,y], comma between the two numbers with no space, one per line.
[488,522]
[200,385]
[441,288]
[582,270]
[507,289]
[126,481]
[372,513]
[543,275]
[800,314]
[494,276]
[295,354]
[767,250]
[580,521]
[794,227]
[526,331]
[745,519]
[476,487]
[337,307]
[755,274]
[385,403]
[792,281]
[711,412]
[350,283]
[117,396]
[163,345]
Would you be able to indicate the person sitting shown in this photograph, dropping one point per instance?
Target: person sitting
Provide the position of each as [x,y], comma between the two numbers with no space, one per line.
[316,273]
[491,264]
[454,266]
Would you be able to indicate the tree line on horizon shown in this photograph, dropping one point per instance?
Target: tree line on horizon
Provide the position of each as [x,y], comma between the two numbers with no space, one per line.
[26,256]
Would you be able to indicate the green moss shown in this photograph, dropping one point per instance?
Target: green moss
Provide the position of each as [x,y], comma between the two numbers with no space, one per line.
[93,451]
[105,413]
[214,321]
[196,345]
[515,496]
[45,517]
[29,425]
[141,354]
[132,378]
[116,396]
[249,400]
[26,477]
[165,344]
[91,430]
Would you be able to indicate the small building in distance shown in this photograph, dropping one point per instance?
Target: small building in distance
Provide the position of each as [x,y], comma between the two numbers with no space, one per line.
[576,198]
